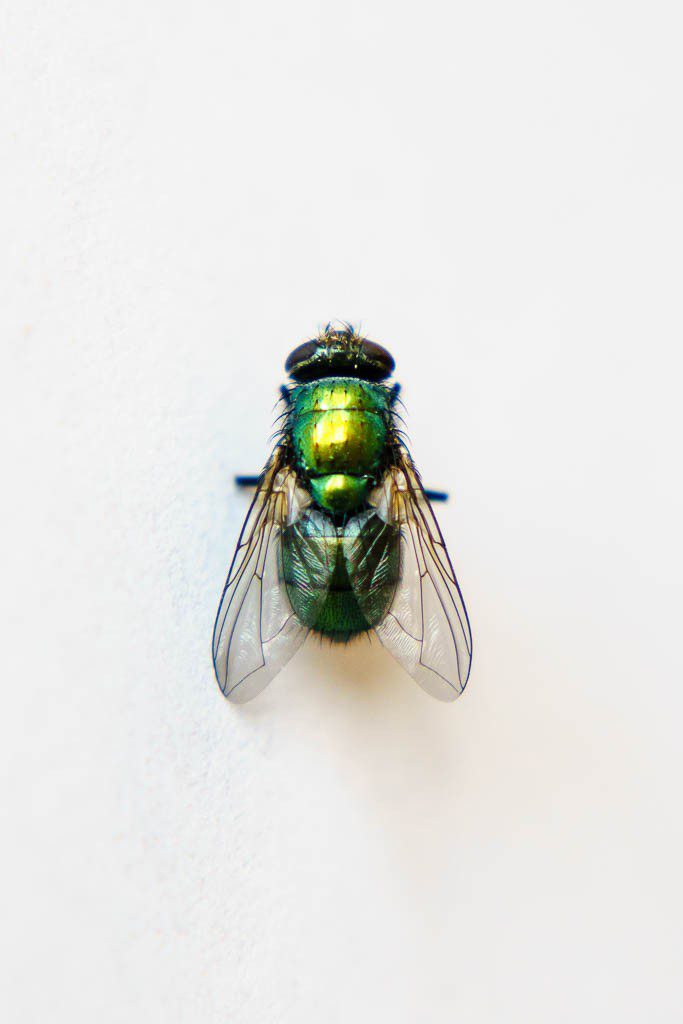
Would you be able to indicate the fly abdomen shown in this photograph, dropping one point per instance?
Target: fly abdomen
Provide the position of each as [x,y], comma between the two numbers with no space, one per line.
[340,580]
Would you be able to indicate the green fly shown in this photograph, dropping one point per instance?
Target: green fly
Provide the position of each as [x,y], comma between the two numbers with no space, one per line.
[341,538]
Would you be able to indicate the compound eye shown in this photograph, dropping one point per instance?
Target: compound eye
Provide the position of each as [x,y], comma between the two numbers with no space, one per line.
[301,356]
[378,357]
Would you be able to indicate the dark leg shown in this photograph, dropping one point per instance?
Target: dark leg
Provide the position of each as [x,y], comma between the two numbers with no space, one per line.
[253,481]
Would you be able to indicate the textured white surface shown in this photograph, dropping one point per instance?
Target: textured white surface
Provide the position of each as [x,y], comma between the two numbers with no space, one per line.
[187,191]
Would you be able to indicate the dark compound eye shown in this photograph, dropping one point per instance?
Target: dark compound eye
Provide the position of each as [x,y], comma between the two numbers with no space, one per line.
[302,354]
[379,356]
[340,354]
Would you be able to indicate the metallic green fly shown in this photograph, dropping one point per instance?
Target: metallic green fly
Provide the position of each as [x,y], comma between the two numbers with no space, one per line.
[341,538]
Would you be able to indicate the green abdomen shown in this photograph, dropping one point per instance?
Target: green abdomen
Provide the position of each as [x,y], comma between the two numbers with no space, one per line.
[339,428]
[340,579]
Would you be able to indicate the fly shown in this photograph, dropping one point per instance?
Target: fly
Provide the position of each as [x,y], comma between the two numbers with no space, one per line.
[340,538]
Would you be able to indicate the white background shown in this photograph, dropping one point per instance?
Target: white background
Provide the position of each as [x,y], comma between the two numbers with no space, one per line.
[493,191]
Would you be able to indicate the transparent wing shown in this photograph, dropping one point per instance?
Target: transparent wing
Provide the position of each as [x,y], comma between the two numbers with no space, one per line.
[256,631]
[426,628]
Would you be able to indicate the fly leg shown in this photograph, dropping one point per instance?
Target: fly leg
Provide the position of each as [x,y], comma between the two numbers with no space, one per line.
[253,481]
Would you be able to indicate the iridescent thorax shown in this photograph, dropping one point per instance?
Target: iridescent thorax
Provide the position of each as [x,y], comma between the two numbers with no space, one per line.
[339,429]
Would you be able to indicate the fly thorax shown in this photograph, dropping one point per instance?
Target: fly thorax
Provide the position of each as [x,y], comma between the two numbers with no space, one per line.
[339,428]
[340,492]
